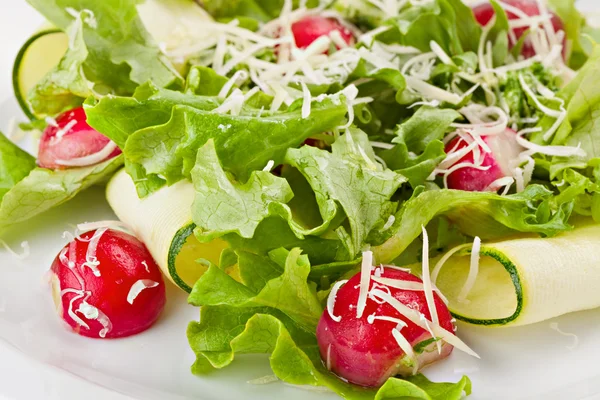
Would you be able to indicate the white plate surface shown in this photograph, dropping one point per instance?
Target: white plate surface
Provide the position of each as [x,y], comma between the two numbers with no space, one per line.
[39,358]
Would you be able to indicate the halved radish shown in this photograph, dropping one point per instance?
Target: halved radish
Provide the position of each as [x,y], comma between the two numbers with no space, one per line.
[484,13]
[493,165]
[70,142]
[311,28]
[106,284]
[365,350]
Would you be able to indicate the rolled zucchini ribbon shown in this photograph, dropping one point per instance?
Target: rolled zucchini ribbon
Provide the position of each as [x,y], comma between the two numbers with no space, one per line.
[526,280]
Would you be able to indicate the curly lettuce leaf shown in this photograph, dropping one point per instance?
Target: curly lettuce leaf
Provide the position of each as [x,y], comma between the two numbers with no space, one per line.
[160,131]
[418,144]
[275,311]
[349,179]
[450,23]
[120,117]
[486,215]
[288,291]
[15,164]
[121,54]
[44,189]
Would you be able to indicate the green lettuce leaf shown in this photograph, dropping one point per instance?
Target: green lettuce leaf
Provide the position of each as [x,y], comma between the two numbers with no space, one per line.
[288,291]
[486,215]
[349,179]
[261,10]
[121,54]
[450,23]
[574,23]
[275,310]
[160,131]
[15,164]
[65,86]
[44,189]
[119,117]
[419,147]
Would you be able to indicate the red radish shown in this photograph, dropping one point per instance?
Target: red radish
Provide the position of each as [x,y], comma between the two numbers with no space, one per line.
[69,141]
[504,149]
[485,12]
[106,284]
[364,350]
[309,29]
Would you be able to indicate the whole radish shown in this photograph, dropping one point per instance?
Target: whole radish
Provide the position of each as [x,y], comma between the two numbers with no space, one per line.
[365,349]
[310,28]
[495,165]
[106,284]
[484,13]
[70,142]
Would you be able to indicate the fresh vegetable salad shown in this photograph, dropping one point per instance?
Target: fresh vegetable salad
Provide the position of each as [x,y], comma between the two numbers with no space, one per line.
[337,184]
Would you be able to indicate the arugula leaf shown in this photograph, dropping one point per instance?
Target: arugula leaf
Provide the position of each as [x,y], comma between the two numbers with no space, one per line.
[15,165]
[65,86]
[120,52]
[44,189]
[486,215]
[350,179]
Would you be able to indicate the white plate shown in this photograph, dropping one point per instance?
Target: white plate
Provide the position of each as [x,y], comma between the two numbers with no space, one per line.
[533,362]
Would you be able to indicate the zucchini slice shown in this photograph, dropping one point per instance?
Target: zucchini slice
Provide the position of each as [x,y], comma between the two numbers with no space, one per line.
[527,280]
[37,57]
[163,221]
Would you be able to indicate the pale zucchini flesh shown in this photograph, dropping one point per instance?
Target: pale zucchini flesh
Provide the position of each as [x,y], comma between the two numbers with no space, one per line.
[163,221]
[527,280]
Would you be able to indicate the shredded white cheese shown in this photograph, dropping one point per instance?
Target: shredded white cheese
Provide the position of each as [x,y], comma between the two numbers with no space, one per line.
[407,348]
[92,159]
[415,317]
[331,300]
[473,271]
[138,287]
[365,282]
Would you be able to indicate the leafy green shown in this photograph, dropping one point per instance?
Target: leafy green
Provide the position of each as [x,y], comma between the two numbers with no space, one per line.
[261,10]
[419,147]
[44,189]
[110,49]
[222,206]
[583,109]
[486,215]
[275,311]
[288,292]
[160,131]
[573,23]
[349,178]
[65,86]
[119,117]
[450,23]
[15,165]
